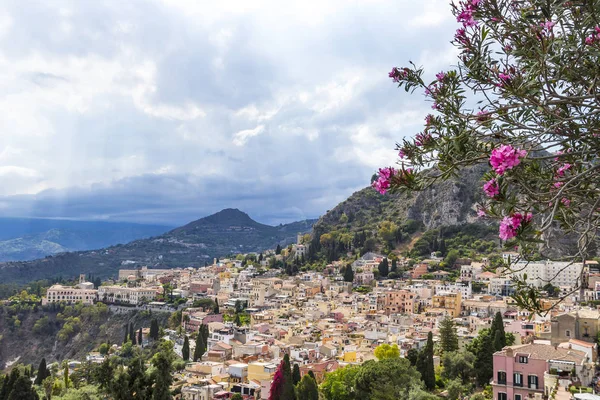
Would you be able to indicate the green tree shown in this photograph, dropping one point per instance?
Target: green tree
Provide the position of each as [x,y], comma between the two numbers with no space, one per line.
[42,372]
[126,338]
[22,388]
[458,365]
[103,349]
[288,392]
[154,330]
[451,258]
[163,378]
[296,374]
[201,342]
[132,334]
[394,267]
[278,249]
[139,337]
[484,360]
[497,332]
[455,389]
[425,364]
[348,274]
[104,374]
[48,385]
[216,309]
[237,396]
[412,355]
[384,268]
[66,379]
[307,389]
[384,351]
[388,379]
[185,350]
[448,335]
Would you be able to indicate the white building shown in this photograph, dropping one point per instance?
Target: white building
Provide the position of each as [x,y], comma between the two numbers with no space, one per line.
[540,273]
[84,292]
[116,294]
[464,288]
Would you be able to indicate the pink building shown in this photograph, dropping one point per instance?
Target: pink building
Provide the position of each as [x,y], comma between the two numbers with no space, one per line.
[519,370]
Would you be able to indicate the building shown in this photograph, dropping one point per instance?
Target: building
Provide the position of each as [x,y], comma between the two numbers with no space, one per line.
[398,302]
[451,302]
[122,294]
[260,370]
[520,371]
[464,287]
[84,292]
[558,273]
[581,325]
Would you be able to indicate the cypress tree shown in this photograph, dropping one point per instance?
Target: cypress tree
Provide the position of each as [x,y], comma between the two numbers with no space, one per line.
[132,334]
[394,266]
[288,392]
[139,337]
[66,375]
[484,360]
[307,388]
[201,342]
[278,249]
[497,329]
[126,334]
[216,309]
[154,329]
[41,374]
[312,374]
[425,364]
[296,374]
[384,269]
[185,350]
[448,336]
[349,274]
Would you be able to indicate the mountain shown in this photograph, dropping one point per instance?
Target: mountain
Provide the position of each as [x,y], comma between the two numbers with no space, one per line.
[445,203]
[227,232]
[24,239]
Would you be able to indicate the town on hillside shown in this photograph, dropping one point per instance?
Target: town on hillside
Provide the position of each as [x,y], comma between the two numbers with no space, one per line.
[238,323]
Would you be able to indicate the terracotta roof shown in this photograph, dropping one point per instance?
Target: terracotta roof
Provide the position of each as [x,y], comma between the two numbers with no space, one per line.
[546,352]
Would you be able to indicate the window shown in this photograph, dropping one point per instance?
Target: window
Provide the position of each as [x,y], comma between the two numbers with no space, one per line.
[501,378]
[502,396]
[532,381]
[568,333]
[517,397]
[517,380]
[522,359]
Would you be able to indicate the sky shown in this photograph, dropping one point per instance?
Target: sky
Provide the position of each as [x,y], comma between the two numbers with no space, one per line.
[168,111]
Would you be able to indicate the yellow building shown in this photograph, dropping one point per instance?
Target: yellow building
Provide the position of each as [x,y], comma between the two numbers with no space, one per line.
[259,370]
[349,357]
[451,302]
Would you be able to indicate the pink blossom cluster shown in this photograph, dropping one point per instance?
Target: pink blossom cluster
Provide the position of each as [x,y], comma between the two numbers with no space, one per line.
[594,37]
[483,116]
[383,182]
[506,157]
[560,172]
[397,74]
[547,28]
[481,212]
[402,153]
[461,37]
[511,224]
[422,139]
[428,120]
[491,188]
[465,16]
[440,76]
[566,202]
[504,79]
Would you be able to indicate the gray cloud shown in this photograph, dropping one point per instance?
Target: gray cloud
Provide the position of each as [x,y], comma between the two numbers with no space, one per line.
[165,112]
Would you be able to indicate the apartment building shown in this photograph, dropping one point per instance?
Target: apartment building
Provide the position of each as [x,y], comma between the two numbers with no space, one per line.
[122,294]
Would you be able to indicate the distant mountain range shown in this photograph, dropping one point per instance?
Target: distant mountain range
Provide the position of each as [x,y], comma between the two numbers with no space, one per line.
[23,239]
[229,231]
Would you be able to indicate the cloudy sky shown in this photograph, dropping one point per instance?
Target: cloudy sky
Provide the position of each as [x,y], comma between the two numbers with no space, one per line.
[167,111]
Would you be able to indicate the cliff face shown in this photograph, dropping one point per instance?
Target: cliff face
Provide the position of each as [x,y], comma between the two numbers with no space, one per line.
[445,203]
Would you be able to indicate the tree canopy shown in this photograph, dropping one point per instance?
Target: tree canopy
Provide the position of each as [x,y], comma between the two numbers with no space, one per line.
[523,100]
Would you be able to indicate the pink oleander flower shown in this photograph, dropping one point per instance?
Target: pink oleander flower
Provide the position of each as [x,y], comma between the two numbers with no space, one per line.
[547,27]
[506,157]
[428,119]
[483,116]
[435,106]
[504,79]
[383,182]
[561,170]
[491,188]
[510,225]
[402,153]
[461,37]
[558,184]
[481,213]
[589,40]
[440,76]
[565,201]
[422,139]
